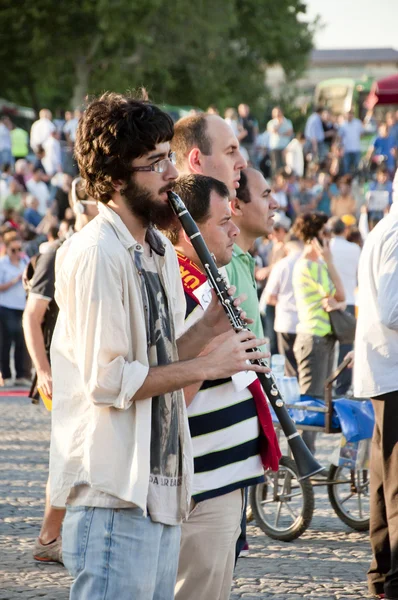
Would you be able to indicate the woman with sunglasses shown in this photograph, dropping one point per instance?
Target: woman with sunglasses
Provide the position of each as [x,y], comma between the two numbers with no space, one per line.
[12,304]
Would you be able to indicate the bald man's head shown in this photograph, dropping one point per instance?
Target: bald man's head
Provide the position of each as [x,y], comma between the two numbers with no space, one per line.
[205,144]
[190,132]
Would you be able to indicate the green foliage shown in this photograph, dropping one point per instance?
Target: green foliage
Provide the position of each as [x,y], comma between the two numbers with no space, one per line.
[184,53]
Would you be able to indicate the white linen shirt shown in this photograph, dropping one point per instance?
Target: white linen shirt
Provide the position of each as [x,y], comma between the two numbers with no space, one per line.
[376,339]
[346,259]
[99,360]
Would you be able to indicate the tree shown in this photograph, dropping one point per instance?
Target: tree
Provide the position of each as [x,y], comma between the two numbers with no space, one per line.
[182,52]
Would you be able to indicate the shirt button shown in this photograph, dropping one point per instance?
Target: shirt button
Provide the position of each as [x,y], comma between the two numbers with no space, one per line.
[138,247]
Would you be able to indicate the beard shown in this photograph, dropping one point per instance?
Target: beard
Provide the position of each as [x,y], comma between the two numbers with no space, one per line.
[143,205]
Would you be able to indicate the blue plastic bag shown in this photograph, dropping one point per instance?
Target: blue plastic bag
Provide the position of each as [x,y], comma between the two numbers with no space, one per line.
[356,418]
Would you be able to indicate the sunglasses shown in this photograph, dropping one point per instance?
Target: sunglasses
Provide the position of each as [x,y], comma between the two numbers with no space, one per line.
[15,250]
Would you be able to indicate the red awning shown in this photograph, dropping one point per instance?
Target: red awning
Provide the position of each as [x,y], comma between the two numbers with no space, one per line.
[384,91]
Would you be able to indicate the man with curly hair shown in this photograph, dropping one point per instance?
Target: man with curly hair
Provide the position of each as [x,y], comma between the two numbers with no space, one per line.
[121,458]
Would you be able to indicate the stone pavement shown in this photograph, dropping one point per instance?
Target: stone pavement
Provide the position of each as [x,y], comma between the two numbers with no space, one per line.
[328,562]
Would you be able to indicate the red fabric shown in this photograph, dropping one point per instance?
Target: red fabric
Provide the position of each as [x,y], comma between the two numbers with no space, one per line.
[191,276]
[270,453]
[9,393]
[384,91]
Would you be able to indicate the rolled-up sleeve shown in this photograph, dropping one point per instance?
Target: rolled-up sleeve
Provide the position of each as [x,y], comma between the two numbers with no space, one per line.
[98,329]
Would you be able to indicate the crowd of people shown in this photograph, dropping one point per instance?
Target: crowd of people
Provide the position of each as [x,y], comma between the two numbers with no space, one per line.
[35,214]
[131,323]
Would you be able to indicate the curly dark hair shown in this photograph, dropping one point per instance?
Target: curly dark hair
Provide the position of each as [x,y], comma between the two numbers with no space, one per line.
[307,226]
[113,131]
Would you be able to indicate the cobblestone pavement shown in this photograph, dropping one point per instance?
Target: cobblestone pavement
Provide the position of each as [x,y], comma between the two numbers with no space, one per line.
[328,562]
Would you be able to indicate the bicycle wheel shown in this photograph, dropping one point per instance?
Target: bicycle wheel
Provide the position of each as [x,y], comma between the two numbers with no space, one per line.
[349,496]
[283,506]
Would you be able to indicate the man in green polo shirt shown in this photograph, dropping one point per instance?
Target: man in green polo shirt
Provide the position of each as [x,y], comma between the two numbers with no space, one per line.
[252,211]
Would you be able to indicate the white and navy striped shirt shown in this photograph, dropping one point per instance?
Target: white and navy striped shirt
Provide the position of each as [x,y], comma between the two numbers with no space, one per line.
[225,433]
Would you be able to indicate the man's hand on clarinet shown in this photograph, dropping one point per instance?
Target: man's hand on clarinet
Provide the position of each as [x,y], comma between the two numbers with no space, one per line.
[229,353]
[215,317]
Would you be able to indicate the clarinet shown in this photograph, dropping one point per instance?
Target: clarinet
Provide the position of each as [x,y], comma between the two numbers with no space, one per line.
[306,464]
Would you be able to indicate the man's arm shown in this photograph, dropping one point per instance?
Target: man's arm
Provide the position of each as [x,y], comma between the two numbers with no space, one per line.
[33,317]
[228,354]
[97,323]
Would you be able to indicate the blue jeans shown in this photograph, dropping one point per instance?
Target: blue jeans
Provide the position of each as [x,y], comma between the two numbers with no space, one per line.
[6,158]
[351,161]
[118,554]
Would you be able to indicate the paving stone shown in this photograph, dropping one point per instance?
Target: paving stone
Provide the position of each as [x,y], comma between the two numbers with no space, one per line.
[328,562]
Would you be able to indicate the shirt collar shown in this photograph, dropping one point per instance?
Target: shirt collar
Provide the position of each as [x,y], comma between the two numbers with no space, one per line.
[237,251]
[125,236]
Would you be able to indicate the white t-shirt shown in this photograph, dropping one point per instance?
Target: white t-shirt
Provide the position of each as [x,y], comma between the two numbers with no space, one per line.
[52,160]
[294,157]
[376,339]
[350,133]
[346,259]
[40,132]
[41,192]
[280,283]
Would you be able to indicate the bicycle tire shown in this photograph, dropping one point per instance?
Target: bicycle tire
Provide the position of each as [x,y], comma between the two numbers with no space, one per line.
[301,523]
[356,524]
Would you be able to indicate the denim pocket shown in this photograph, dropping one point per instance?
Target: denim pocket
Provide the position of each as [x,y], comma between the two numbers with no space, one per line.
[75,532]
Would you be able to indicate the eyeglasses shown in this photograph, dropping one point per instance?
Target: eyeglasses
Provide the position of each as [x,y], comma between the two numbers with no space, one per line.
[15,250]
[158,167]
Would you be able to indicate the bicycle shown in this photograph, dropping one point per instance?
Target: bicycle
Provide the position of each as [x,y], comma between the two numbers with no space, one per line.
[283,505]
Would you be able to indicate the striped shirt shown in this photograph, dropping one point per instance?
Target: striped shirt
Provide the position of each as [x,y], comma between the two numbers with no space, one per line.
[225,433]
[312,283]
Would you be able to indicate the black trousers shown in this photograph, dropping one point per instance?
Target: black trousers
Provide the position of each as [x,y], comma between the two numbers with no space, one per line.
[343,381]
[383,571]
[11,331]
[285,347]
[314,355]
